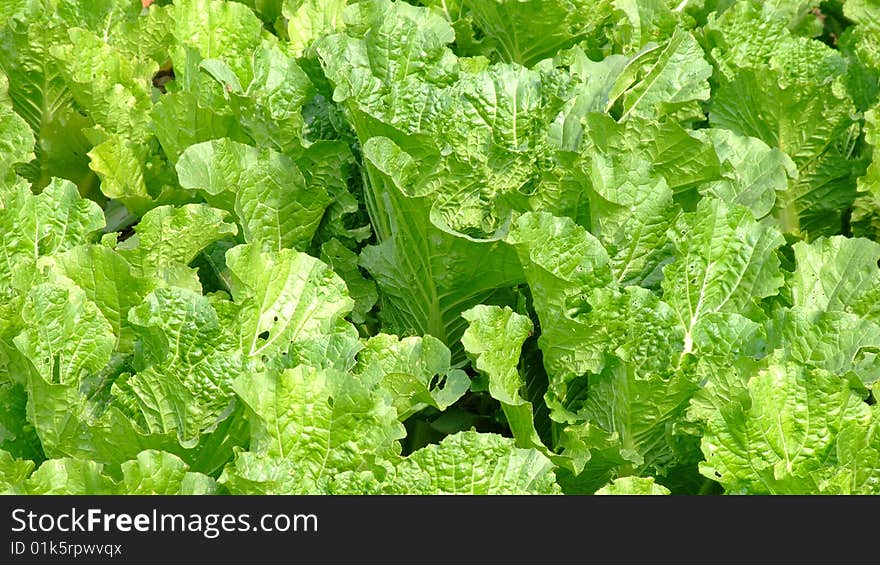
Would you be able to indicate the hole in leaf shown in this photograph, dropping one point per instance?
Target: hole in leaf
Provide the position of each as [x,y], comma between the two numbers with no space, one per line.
[264,335]
[163,77]
[438,382]
[56,368]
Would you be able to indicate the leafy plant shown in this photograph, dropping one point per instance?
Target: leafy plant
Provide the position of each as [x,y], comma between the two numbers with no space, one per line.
[622,247]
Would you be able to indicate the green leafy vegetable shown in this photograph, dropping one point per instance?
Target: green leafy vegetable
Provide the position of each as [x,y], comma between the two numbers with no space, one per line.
[442,247]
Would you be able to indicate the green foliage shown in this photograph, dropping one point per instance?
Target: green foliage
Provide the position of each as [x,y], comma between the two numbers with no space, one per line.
[462,247]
